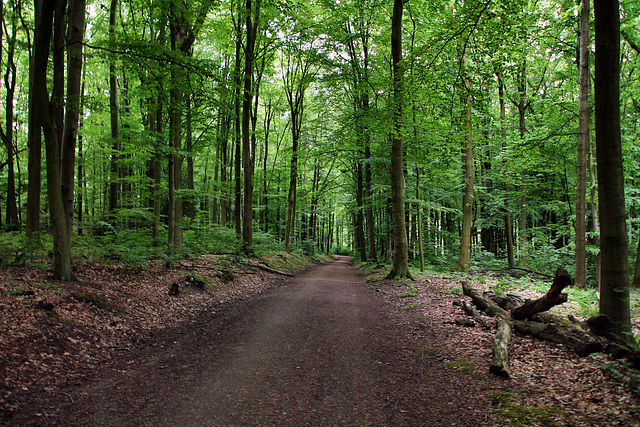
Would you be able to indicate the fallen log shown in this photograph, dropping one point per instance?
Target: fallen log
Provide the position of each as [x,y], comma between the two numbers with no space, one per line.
[268,269]
[552,298]
[508,302]
[471,311]
[582,343]
[484,304]
[499,351]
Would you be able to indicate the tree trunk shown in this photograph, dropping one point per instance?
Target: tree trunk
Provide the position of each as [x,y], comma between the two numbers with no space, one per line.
[500,353]
[75,38]
[247,161]
[293,179]
[583,140]
[419,209]
[238,133]
[469,177]
[614,288]
[34,142]
[508,223]
[552,298]
[360,213]
[190,199]
[522,104]
[297,77]
[400,267]
[12,221]
[61,245]
[113,110]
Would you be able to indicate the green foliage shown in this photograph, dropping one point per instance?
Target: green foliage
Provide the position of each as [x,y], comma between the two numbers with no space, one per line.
[412,305]
[343,250]
[622,371]
[462,365]
[265,243]
[16,248]
[409,293]
[131,247]
[455,290]
[518,415]
[211,240]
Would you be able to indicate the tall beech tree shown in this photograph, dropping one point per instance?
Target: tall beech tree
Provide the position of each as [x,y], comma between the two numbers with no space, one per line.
[298,74]
[400,267]
[583,141]
[614,285]
[12,220]
[252,21]
[61,242]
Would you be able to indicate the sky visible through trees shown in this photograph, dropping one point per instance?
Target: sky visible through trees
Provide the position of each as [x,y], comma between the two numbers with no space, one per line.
[273,121]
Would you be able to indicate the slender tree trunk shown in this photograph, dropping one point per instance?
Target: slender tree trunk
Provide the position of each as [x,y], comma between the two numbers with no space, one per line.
[75,38]
[81,169]
[614,288]
[113,110]
[522,105]
[508,224]
[362,247]
[419,209]
[293,180]
[12,220]
[238,133]
[297,77]
[469,178]
[190,199]
[247,161]
[157,170]
[61,245]
[400,267]
[34,142]
[583,140]
[269,113]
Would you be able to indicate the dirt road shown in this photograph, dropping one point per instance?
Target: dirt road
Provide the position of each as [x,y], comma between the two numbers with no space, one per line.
[320,349]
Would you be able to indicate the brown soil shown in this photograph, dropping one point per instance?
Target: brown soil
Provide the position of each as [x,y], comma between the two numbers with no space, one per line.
[322,348]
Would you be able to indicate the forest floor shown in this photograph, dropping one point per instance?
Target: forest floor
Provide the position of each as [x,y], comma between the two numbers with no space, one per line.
[242,346]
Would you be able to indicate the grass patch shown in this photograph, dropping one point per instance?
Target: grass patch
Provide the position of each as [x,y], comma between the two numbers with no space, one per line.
[518,415]
[431,351]
[462,365]
[409,293]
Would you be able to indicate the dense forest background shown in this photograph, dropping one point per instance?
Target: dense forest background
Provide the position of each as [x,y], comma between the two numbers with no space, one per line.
[159,128]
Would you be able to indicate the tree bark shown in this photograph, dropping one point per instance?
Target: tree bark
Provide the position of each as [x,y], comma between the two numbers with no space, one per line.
[12,220]
[237,78]
[508,223]
[484,304]
[34,141]
[614,288]
[61,245]
[75,36]
[400,267]
[583,140]
[499,351]
[297,77]
[113,114]
[469,178]
[552,298]
[247,161]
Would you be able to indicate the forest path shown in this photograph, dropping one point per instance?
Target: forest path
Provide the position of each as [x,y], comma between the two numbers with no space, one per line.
[321,349]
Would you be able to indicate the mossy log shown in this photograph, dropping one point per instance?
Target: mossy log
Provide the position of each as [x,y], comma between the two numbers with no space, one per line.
[574,338]
[500,350]
[484,304]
